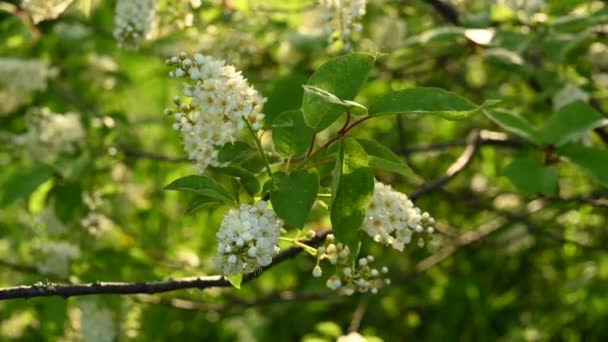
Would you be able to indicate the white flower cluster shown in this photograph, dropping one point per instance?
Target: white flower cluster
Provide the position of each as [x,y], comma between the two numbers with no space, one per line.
[49,219]
[56,256]
[135,20]
[220,101]
[50,134]
[348,280]
[45,9]
[24,75]
[95,222]
[236,44]
[524,8]
[96,323]
[248,238]
[180,12]
[19,77]
[341,19]
[352,337]
[392,219]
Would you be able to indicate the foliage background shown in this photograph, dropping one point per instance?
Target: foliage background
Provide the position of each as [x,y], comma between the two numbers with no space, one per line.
[539,271]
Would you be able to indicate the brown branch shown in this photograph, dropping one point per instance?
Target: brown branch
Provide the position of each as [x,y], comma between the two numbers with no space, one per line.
[483,141]
[465,240]
[150,287]
[458,166]
[446,10]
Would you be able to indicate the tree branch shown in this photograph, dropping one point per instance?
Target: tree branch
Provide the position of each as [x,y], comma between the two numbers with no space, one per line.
[487,138]
[458,166]
[446,10]
[125,288]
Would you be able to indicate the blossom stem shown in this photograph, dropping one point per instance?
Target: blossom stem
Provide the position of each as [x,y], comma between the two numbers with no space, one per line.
[308,249]
[258,143]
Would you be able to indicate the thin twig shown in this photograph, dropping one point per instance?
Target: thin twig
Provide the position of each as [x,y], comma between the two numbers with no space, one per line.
[458,166]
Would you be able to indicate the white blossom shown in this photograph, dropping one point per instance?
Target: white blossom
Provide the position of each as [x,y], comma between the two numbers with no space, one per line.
[24,75]
[317,272]
[45,9]
[134,21]
[56,256]
[352,337]
[50,134]
[348,278]
[247,238]
[392,219]
[97,323]
[96,223]
[218,101]
[341,18]
[18,78]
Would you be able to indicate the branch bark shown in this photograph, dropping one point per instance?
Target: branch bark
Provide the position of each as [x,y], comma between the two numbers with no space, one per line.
[150,287]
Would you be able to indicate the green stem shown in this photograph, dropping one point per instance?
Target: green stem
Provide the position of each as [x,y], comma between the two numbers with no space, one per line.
[341,134]
[308,249]
[258,143]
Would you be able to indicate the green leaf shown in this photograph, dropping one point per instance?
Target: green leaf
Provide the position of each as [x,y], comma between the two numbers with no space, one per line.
[352,190]
[71,168]
[593,161]
[293,195]
[571,122]
[23,182]
[382,158]
[516,125]
[531,177]
[235,279]
[201,185]
[245,177]
[425,100]
[290,134]
[233,151]
[68,202]
[199,203]
[350,106]
[342,76]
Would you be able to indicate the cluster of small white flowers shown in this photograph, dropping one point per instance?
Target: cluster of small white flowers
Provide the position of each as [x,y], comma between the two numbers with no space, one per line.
[97,323]
[236,44]
[10,100]
[352,337]
[56,256]
[525,9]
[392,219]
[248,238]
[341,18]
[95,222]
[362,278]
[220,101]
[50,134]
[180,12]
[24,75]
[49,220]
[134,21]
[45,9]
